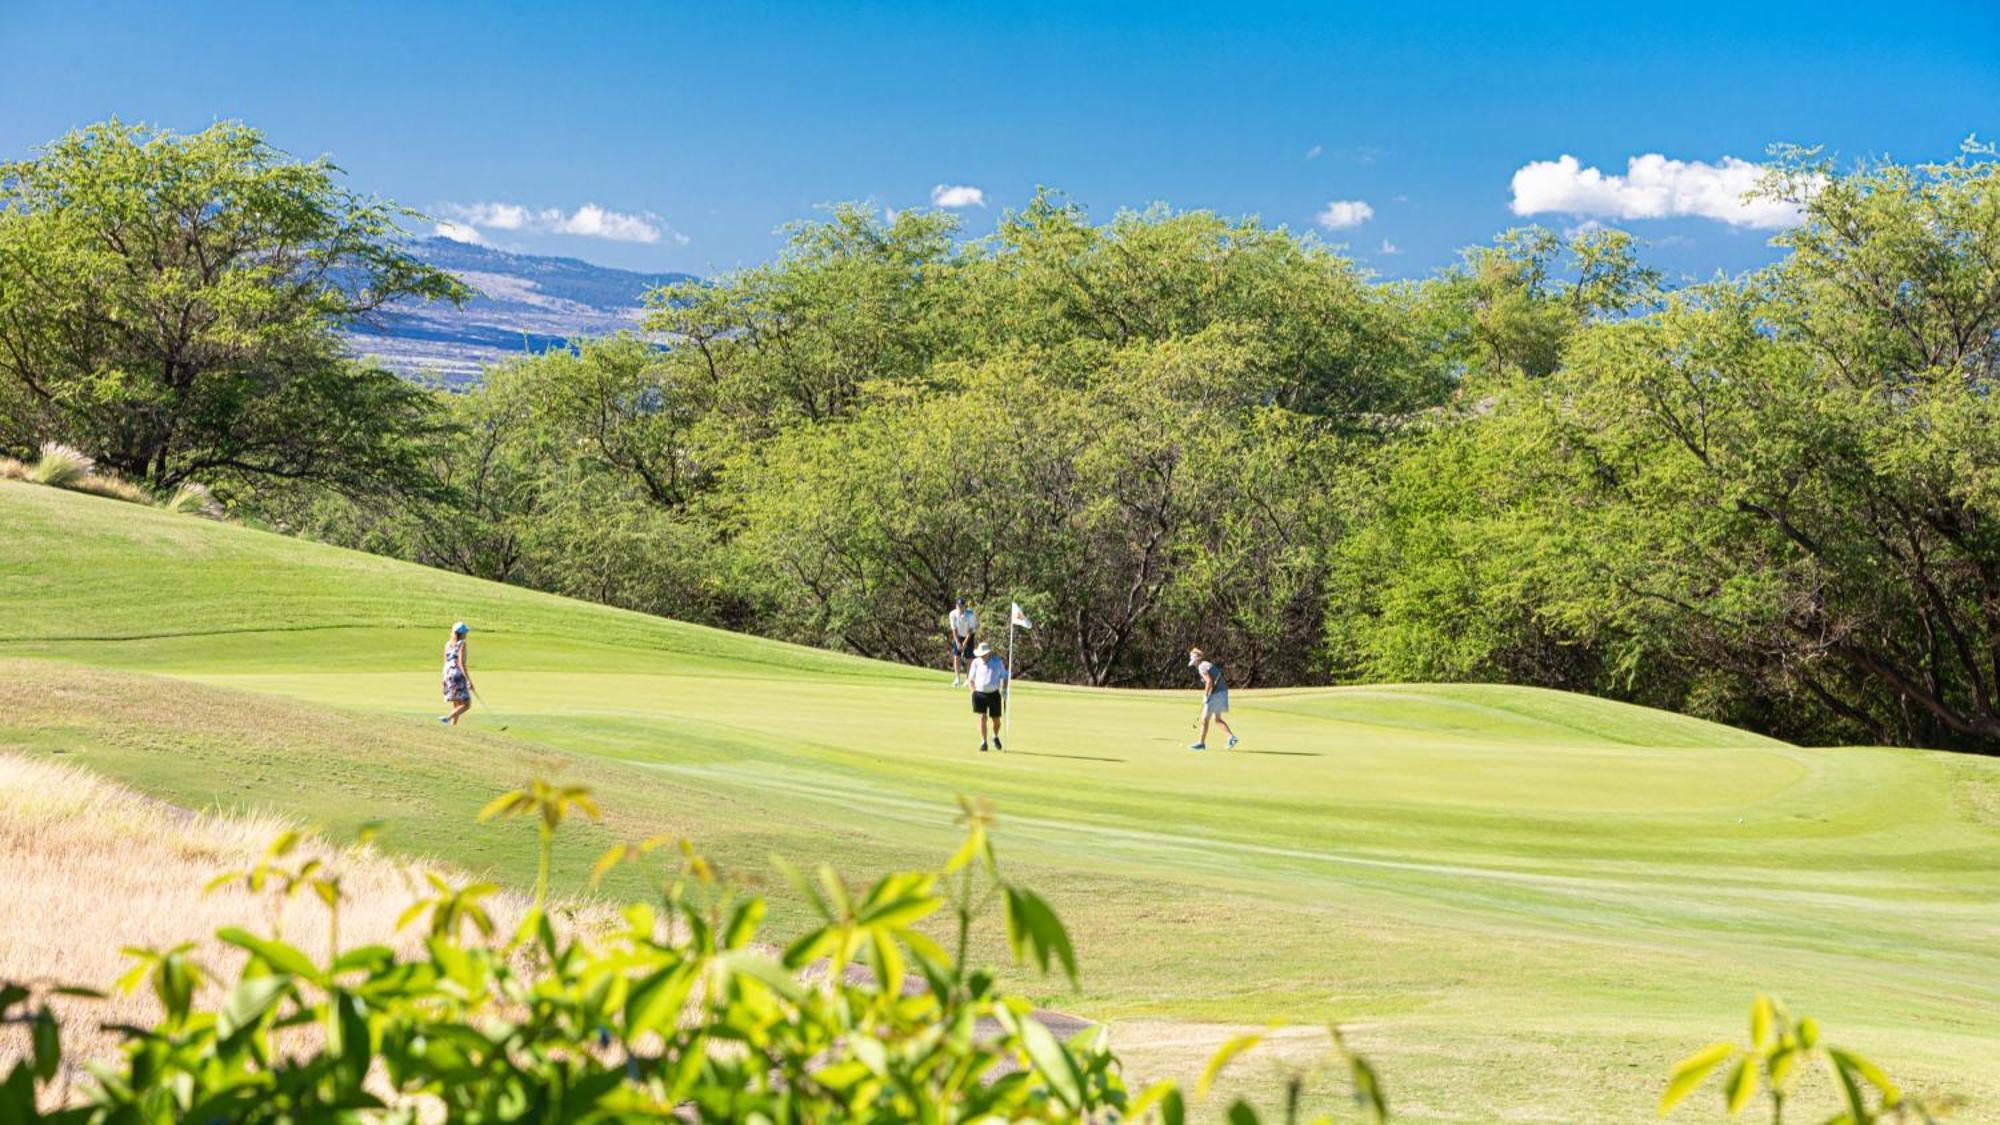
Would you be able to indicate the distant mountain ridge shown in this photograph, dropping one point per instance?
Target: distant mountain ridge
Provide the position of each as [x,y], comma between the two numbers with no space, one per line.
[522,303]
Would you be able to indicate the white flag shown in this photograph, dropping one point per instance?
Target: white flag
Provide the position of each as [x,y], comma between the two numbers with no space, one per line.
[1019,617]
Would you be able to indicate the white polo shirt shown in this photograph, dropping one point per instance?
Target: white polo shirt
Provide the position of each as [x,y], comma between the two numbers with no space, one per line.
[964,623]
[987,673]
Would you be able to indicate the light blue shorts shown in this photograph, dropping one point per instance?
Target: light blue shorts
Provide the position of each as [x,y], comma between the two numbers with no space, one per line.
[1215,703]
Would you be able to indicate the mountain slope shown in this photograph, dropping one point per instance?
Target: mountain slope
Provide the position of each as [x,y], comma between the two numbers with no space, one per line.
[523,303]
[1494,882]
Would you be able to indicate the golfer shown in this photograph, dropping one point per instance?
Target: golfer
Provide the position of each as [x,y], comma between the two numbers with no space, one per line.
[1214,698]
[988,676]
[457,681]
[960,627]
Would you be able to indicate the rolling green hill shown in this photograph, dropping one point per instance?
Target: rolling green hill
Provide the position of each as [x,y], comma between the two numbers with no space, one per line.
[1528,903]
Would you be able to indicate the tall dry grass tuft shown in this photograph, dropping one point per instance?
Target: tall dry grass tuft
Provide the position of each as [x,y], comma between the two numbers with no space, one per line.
[110,487]
[61,466]
[88,867]
[195,500]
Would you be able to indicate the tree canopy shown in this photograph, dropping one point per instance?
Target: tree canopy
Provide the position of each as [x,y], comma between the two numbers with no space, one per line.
[171,303]
[1769,499]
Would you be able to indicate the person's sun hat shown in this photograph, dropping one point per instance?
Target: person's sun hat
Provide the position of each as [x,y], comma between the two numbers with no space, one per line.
[460,629]
[984,649]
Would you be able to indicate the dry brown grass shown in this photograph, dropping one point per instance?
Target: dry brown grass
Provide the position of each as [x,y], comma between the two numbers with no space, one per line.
[91,867]
[111,488]
[63,467]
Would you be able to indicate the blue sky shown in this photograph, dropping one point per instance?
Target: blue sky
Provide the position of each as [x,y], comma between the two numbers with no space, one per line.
[678,136]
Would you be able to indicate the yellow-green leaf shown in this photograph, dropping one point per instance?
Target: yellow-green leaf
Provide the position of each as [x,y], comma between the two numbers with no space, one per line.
[1874,1075]
[1692,1071]
[1740,1085]
[1222,1058]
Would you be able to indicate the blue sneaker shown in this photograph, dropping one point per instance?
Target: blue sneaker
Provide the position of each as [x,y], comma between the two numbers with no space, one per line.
[445,719]
[1232,743]
[1199,746]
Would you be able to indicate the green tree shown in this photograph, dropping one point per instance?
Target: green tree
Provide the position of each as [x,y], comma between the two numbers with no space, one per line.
[1134,509]
[1782,487]
[170,303]
[852,299]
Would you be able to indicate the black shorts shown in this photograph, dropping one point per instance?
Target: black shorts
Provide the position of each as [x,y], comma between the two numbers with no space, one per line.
[965,647]
[986,703]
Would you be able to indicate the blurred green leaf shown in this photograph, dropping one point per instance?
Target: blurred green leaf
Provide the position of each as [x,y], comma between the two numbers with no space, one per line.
[1763,1020]
[1692,1071]
[279,955]
[248,1002]
[1033,929]
[1740,1086]
[1222,1057]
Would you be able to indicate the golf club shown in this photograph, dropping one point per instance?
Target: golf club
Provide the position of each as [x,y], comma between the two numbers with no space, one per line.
[482,703]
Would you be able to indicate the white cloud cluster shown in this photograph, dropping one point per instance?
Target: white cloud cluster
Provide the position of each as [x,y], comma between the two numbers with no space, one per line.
[1341,214]
[957,195]
[459,232]
[588,221]
[1653,187]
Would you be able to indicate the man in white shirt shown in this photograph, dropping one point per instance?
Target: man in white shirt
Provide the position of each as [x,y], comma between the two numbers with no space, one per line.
[1214,698]
[988,676]
[961,628]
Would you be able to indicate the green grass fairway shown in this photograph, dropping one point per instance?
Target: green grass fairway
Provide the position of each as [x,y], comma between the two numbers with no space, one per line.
[1527,903]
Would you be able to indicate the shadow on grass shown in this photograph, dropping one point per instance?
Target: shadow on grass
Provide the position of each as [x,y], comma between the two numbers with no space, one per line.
[1071,757]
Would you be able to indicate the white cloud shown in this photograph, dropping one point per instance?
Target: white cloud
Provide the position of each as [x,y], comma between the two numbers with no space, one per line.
[1389,247]
[1313,152]
[458,232]
[592,221]
[1343,213]
[587,221]
[1653,187]
[957,195]
[494,216]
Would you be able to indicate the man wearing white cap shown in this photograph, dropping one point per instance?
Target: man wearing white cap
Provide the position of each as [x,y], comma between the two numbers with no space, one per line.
[961,626]
[988,676]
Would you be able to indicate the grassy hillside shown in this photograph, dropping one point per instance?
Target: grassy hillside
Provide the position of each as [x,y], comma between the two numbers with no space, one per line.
[1529,902]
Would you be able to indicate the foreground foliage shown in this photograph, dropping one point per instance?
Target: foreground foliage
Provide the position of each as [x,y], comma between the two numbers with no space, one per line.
[1771,1061]
[679,1010]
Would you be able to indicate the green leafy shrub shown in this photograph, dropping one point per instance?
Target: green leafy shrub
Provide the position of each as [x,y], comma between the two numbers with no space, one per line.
[1778,1045]
[677,1011]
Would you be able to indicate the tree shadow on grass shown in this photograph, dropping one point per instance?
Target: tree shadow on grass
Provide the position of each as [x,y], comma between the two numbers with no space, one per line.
[1071,757]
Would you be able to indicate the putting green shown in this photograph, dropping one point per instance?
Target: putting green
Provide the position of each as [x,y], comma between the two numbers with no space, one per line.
[1528,902]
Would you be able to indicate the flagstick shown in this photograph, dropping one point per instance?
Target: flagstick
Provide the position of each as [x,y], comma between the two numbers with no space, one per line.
[1007,695]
